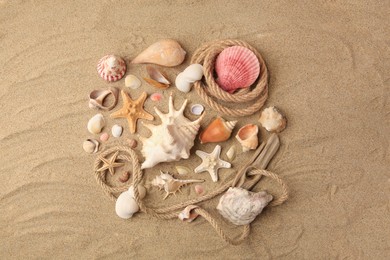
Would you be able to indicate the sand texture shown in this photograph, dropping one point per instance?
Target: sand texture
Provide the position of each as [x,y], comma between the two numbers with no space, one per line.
[329,64]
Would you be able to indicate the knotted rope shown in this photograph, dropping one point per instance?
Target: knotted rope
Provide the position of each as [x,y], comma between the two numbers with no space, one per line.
[173,211]
[242,103]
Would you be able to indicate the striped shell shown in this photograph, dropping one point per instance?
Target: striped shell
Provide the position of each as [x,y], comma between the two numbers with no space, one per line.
[236,67]
[111,68]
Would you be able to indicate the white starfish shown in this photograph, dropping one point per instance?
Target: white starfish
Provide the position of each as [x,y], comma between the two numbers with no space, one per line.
[211,162]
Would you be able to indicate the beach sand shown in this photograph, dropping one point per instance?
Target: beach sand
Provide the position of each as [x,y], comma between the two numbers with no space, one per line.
[329,64]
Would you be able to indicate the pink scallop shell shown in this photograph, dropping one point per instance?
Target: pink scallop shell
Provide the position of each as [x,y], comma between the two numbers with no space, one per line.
[111,73]
[236,67]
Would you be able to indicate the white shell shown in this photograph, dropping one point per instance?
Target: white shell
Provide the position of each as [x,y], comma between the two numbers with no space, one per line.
[231,153]
[272,120]
[197,109]
[91,146]
[247,136]
[116,130]
[172,139]
[182,170]
[191,74]
[241,206]
[96,124]
[125,205]
[132,82]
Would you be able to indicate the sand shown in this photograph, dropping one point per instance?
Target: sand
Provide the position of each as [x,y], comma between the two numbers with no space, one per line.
[329,64]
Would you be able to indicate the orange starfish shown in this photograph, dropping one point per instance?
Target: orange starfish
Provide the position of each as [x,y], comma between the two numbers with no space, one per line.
[110,164]
[132,110]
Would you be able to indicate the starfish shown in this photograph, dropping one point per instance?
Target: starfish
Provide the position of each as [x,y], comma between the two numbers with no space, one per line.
[211,163]
[132,110]
[110,164]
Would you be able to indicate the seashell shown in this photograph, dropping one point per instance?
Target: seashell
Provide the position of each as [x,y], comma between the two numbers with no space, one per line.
[167,53]
[197,109]
[97,97]
[126,205]
[247,136]
[217,131]
[192,73]
[156,97]
[125,177]
[132,143]
[236,67]
[104,137]
[172,139]
[182,170]
[169,184]
[241,206]
[231,153]
[188,213]
[116,130]
[132,82]
[91,146]
[157,75]
[199,189]
[272,120]
[96,124]
[111,68]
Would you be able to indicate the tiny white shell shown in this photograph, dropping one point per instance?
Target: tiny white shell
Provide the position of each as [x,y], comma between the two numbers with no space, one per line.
[116,130]
[132,82]
[193,72]
[182,170]
[96,124]
[197,109]
[231,153]
[182,83]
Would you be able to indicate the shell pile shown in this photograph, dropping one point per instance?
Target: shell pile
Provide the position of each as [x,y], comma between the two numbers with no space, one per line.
[172,139]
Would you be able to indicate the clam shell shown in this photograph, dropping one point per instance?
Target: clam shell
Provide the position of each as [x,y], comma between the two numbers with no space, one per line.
[104,137]
[157,75]
[231,153]
[272,120]
[166,52]
[156,83]
[116,130]
[91,146]
[182,170]
[236,67]
[197,109]
[132,82]
[247,136]
[156,97]
[199,190]
[111,68]
[217,131]
[96,124]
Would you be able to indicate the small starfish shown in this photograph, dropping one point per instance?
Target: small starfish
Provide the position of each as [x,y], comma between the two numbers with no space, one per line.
[110,164]
[211,163]
[132,110]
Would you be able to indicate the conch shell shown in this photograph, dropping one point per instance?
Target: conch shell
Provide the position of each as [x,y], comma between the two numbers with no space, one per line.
[172,139]
[247,136]
[218,131]
[241,206]
[167,53]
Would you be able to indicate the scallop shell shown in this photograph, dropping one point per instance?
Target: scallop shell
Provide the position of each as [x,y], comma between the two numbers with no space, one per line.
[217,131]
[172,139]
[131,81]
[96,124]
[241,207]
[116,130]
[197,109]
[272,120]
[191,74]
[236,67]
[126,205]
[97,97]
[111,68]
[167,53]
[247,136]
[91,146]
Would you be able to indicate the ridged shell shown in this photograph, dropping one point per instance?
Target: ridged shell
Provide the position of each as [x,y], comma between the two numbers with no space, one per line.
[247,136]
[167,53]
[236,67]
[217,131]
[241,206]
[172,139]
[111,68]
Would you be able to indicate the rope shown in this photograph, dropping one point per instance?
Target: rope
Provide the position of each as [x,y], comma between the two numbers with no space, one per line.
[213,95]
[173,211]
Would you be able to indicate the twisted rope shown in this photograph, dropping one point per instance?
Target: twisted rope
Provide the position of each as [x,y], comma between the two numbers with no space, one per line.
[174,210]
[250,100]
